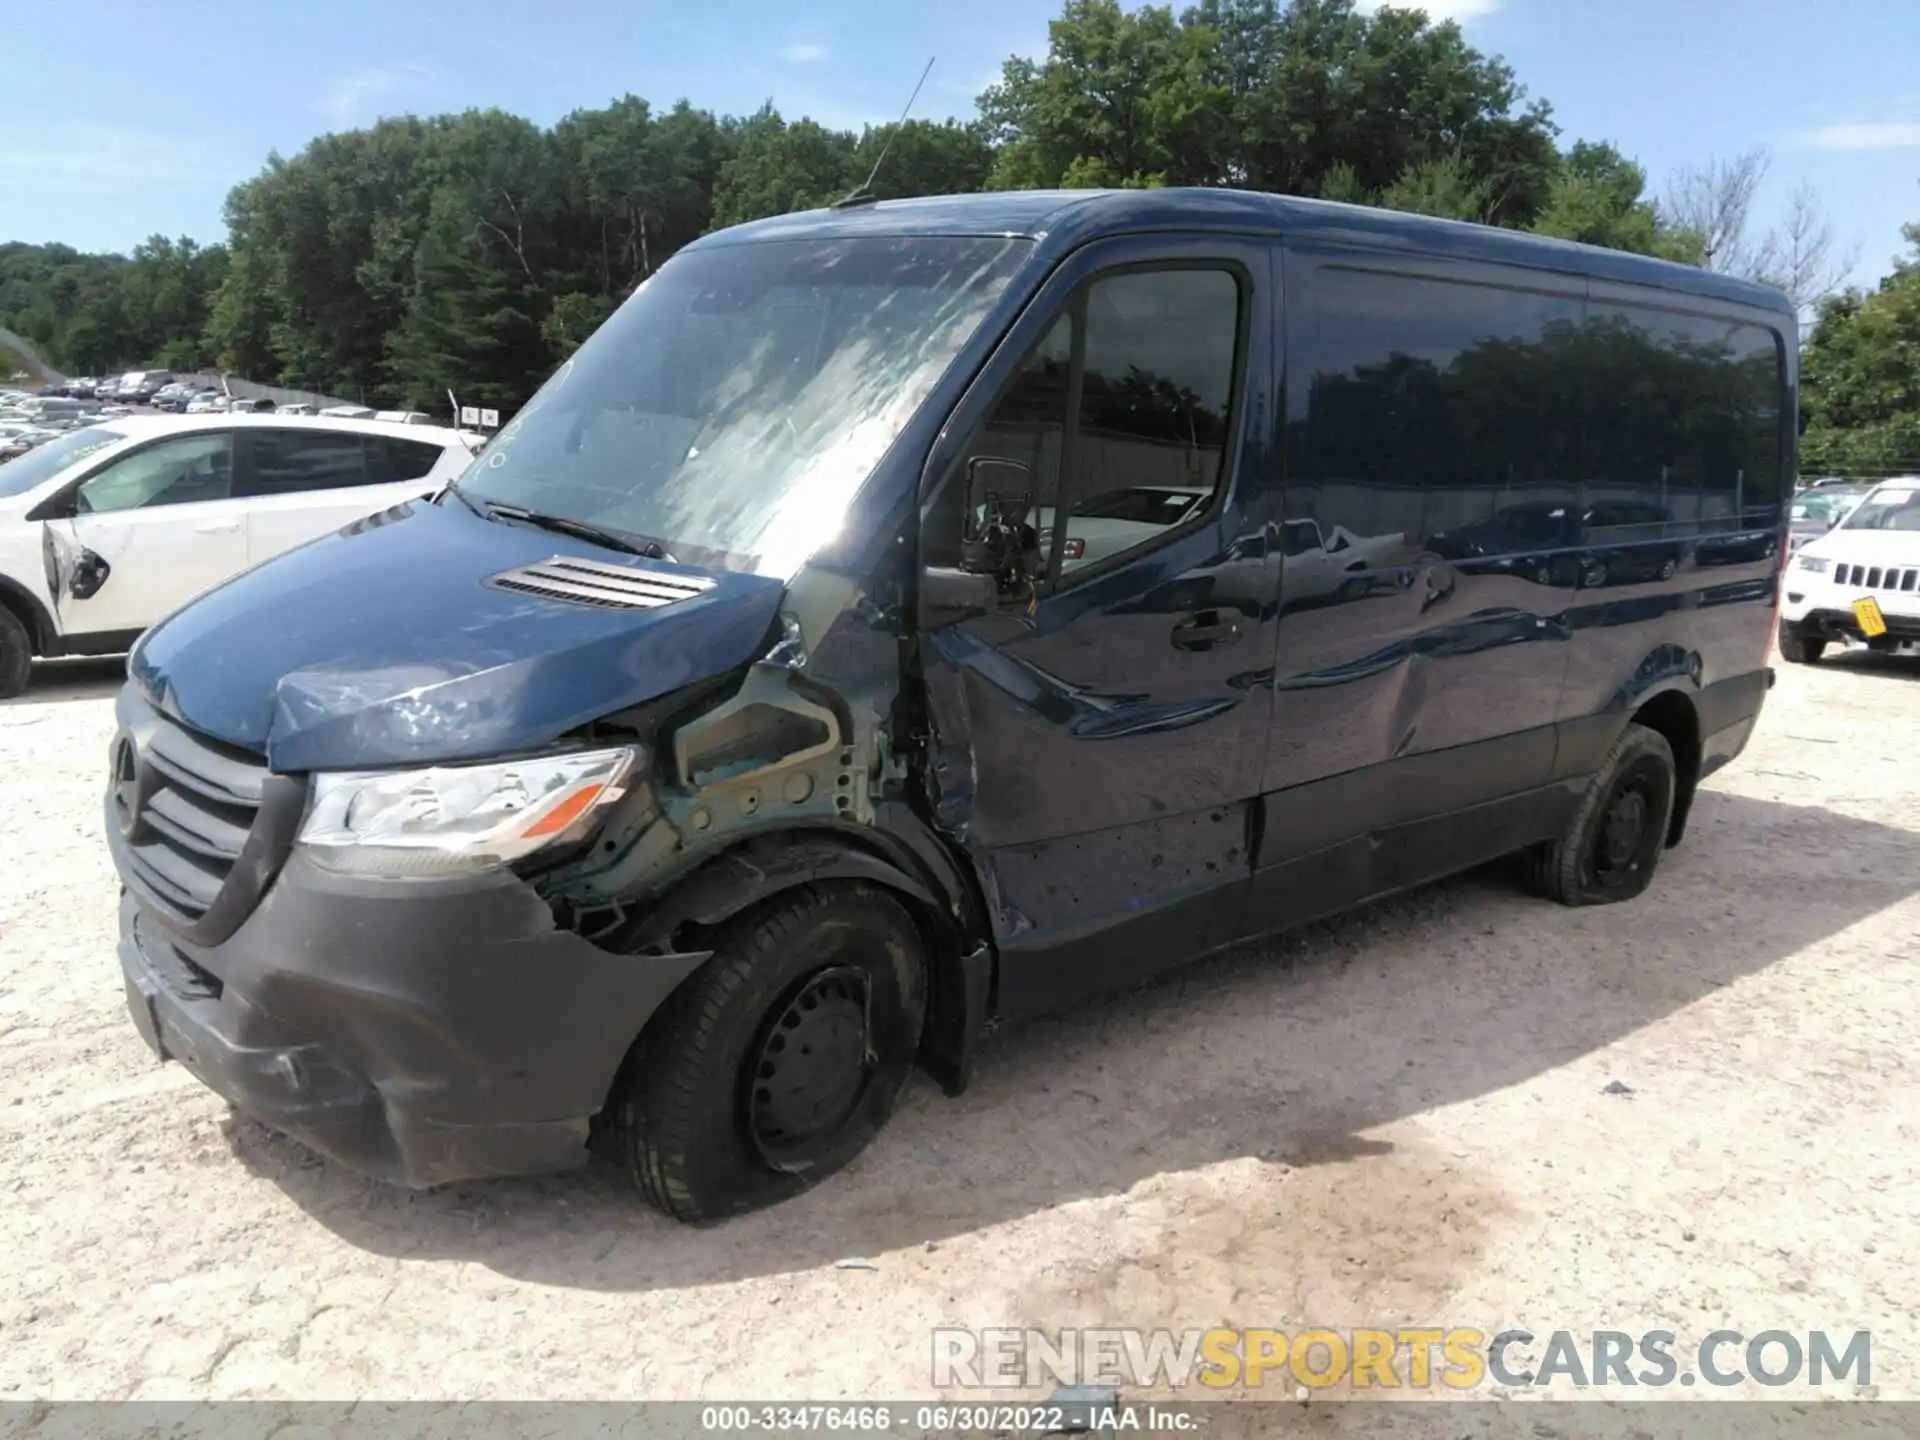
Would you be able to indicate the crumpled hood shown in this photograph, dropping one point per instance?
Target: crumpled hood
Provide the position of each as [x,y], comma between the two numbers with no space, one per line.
[383,645]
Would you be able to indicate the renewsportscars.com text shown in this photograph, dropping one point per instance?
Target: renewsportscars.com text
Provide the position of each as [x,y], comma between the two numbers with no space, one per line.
[1402,1358]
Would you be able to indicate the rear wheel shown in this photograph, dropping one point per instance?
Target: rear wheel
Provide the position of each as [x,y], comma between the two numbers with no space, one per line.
[779,1059]
[1801,649]
[1614,842]
[16,655]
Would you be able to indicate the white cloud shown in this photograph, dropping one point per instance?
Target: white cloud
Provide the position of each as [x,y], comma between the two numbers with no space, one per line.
[1864,135]
[1436,9]
[365,95]
[804,54]
[118,153]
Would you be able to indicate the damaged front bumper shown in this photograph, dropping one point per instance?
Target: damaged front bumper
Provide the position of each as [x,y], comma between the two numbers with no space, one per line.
[419,1032]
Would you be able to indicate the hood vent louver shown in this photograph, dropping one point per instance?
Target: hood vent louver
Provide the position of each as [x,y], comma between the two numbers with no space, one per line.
[574,581]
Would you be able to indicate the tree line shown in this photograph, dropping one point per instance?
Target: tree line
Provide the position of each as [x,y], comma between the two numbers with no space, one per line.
[475,251]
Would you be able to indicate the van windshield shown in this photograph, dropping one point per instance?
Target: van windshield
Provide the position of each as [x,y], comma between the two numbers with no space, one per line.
[732,408]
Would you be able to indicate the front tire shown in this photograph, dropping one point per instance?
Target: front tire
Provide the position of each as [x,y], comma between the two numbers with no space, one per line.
[778,1060]
[1800,649]
[1612,846]
[16,655]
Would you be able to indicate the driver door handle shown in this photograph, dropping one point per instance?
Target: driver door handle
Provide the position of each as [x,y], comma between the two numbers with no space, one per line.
[216,527]
[1205,630]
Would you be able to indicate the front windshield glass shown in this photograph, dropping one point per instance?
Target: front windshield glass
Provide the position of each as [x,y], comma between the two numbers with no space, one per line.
[1824,505]
[735,404]
[21,475]
[1888,509]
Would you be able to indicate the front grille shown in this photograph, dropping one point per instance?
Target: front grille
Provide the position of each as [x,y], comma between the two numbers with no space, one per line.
[592,582]
[1892,578]
[179,974]
[187,815]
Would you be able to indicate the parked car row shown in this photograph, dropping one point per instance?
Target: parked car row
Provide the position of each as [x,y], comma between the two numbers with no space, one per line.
[136,387]
[29,420]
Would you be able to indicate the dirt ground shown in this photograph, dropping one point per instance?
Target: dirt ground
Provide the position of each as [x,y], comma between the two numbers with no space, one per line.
[1405,1116]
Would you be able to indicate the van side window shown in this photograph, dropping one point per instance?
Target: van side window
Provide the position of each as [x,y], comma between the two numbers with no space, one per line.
[1150,436]
[1685,417]
[1152,439]
[1420,406]
[1014,452]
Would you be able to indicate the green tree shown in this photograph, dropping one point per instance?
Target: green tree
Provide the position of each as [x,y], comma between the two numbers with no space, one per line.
[1860,377]
[922,158]
[1599,197]
[1314,89]
[1122,99]
[775,168]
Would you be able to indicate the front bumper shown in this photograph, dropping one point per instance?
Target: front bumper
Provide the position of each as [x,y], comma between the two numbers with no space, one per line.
[419,1032]
[1826,622]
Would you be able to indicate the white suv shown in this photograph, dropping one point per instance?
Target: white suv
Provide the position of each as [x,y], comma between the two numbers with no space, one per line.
[1858,582]
[107,529]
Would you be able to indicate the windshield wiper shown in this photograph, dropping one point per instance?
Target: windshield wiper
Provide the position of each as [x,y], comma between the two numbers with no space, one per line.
[579,529]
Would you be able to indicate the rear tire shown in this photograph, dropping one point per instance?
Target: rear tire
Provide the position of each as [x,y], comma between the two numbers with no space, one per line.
[1800,649]
[778,1060]
[16,655]
[1612,846]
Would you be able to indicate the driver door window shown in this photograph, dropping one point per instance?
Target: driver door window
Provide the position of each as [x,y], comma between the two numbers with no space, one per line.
[174,472]
[1126,431]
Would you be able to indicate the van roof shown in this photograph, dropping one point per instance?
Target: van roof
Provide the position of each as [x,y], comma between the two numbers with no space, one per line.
[1059,220]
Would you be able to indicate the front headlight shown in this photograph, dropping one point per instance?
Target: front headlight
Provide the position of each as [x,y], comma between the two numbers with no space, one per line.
[1812,564]
[456,820]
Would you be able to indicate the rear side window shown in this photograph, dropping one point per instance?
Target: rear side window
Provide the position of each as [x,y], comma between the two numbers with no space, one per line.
[287,462]
[390,461]
[1423,407]
[1478,419]
[1685,415]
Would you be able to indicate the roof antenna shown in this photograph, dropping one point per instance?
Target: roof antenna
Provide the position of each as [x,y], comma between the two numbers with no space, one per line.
[863,194]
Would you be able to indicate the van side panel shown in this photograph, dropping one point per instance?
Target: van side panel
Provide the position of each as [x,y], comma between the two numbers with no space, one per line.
[1558,499]
[1432,435]
[1688,470]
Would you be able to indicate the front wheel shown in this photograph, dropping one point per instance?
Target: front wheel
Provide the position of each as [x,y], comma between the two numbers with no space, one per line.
[1801,649]
[1614,842]
[779,1059]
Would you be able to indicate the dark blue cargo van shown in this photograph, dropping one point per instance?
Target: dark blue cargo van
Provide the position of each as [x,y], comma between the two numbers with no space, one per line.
[912,614]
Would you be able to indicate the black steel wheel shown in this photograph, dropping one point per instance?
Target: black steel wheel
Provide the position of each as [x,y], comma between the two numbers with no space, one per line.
[1613,844]
[779,1060]
[814,1065]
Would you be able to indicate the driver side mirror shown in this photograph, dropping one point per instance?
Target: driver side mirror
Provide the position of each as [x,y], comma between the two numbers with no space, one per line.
[950,596]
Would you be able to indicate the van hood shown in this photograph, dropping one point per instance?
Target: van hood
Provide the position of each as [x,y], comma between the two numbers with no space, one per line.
[384,644]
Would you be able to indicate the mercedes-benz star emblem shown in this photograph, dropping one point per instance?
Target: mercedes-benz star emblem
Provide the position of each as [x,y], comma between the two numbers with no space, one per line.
[126,785]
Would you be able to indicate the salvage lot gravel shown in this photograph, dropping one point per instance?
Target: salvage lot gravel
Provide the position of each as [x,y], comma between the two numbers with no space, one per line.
[1462,1107]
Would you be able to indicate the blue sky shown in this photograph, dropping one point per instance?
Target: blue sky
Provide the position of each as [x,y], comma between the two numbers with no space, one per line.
[122,119]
